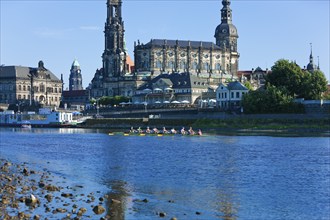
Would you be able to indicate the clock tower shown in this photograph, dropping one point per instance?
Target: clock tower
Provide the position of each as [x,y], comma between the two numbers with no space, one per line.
[75,80]
[226,37]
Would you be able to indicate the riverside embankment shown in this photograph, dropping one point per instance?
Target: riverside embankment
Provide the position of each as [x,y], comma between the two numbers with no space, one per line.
[303,124]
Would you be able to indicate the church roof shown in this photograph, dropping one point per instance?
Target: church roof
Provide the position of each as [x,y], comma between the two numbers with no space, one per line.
[182,43]
[22,72]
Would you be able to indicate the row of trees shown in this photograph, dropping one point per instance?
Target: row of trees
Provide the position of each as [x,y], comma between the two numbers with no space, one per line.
[108,100]
[286,82]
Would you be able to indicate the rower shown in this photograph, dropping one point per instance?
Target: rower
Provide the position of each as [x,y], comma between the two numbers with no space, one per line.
[156,131]
[139,130]
[191,131]
[199,132]
[183,131]
[165,131]
[132,130]
[148,131]
[173,131]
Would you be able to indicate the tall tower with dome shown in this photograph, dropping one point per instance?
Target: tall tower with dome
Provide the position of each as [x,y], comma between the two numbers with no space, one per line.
[226,36]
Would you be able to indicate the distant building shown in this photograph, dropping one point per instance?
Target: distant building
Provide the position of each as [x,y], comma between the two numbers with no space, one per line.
[175,88]
[75,80]
[76,99]
[29,85]
[229,96]
[311,67]
[211,62]
[256,77]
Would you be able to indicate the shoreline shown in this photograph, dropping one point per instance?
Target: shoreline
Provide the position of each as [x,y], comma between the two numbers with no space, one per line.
[29,193]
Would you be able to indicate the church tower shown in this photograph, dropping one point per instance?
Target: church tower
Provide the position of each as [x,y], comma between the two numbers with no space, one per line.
[75,80]
[311,67]
[226,37]
[114,55]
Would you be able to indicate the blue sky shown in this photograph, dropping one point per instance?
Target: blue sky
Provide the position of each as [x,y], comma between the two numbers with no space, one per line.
[58,31]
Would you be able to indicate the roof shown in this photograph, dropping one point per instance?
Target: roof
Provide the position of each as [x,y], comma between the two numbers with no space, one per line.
[74,93]
[23,72]
[236,86]
[75,63]
[182,43]
[178,81]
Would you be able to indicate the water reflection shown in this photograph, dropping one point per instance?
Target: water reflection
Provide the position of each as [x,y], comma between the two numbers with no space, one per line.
[117,200]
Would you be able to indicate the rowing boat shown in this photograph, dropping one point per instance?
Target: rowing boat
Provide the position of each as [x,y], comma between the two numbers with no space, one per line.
[150,134]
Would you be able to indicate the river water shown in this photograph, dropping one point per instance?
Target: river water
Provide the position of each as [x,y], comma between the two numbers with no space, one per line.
[211,177]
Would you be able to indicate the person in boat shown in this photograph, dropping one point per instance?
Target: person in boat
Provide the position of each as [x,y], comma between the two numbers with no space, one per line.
[165,131]
[132,130]
[183,131]
[173,131]
[140,130]
[191,131]
[148,131]
[155,130]
[199,132]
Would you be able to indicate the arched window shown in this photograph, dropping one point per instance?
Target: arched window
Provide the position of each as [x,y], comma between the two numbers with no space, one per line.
[194,66]
[206,66]
[158,64]
[183,65]
[217,66]
[171,64]
[19,87]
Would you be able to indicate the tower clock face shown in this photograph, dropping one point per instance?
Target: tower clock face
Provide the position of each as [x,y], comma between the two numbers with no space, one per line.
[224,31]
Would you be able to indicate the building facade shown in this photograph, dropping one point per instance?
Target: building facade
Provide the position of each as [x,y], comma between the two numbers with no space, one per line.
[213,62]
[229,96]
[75,79]
[29,85]
[217,61]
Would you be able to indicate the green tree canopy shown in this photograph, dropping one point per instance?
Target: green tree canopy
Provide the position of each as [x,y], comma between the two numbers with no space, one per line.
[288,76]
[270,100]
[314,85]
[296,82]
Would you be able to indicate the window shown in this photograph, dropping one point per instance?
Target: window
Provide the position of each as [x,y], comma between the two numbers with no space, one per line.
[158,64]
[232,94]
[206,66]
[19,87]
[24,88]
[194,66]
[217,66]
[237,94]
[171,65]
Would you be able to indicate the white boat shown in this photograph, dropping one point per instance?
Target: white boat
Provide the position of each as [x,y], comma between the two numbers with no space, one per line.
[26,124]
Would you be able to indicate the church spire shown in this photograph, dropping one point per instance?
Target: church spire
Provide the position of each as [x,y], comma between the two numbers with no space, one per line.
[311,55]
[226,12]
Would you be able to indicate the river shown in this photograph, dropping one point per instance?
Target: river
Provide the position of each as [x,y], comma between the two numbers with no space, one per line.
[208,177]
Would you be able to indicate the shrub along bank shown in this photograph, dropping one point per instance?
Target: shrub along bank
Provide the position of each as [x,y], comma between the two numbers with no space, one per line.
[320,124]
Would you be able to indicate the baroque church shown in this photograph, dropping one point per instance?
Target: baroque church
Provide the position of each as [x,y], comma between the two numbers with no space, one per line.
[209,62]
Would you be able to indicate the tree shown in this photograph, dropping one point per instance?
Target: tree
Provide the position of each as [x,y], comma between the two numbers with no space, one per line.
[270,100]
[248,85]
[314,85]
[288,76]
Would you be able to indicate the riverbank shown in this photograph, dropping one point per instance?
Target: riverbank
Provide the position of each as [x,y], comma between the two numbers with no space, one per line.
[294,126]
[37,194]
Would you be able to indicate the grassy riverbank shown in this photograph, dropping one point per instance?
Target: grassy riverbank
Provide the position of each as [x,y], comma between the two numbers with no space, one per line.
[219,126]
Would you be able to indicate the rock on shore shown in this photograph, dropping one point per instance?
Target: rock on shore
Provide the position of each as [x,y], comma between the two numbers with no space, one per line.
[28,194]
